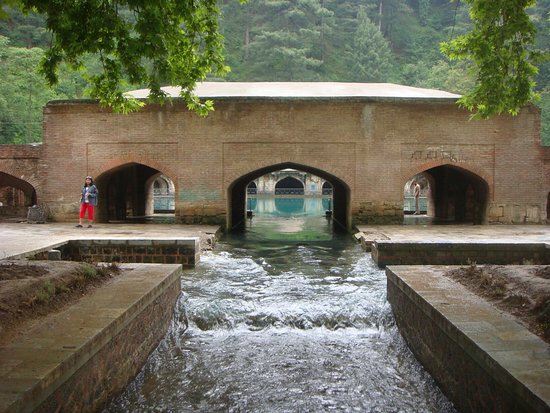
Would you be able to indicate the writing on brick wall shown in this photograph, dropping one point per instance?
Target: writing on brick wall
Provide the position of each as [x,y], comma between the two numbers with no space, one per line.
[438,154]
[445,153]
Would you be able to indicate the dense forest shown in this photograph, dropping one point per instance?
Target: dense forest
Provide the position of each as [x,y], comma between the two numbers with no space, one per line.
[395,41]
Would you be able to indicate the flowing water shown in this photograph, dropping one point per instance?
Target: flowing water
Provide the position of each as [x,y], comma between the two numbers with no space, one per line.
[288,317]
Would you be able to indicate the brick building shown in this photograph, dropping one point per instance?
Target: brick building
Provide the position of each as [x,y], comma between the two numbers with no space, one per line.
[367,140]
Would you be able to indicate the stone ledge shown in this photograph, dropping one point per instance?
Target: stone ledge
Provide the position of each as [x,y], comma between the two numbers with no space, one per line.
[482,360]
[73,360]
[458,253]
[184,251]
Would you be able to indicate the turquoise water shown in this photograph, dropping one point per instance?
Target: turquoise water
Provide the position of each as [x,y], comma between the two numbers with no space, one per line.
[281,206]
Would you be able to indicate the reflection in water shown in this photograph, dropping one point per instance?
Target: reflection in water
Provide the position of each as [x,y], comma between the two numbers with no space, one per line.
[285,317]
[288,206]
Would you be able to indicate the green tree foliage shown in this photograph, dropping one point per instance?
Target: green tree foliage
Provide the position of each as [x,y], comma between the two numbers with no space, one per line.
[24,93]
[499,46]
[154,43]
[25,30]
[284,39]
[544,105]
[147,43]
[371,56]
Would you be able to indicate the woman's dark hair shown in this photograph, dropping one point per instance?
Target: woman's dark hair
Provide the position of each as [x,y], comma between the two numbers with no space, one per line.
[91,180]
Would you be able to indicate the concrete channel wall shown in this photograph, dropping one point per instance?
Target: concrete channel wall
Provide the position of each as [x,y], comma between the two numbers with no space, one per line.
[457,253]
[78,359]
[184,251]
[483,361]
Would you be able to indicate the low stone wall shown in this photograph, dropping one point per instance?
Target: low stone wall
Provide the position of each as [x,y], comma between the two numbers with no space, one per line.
[454,253]
[77,360]
[184,251]
[481,360]
[13,211]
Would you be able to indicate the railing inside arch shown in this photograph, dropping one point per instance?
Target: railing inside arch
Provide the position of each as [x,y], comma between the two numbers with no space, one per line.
[289,191]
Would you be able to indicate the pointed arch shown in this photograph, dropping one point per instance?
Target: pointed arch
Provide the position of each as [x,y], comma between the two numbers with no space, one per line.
[289,186]
[236,194]
[456,194]
[16,192]
[126,192]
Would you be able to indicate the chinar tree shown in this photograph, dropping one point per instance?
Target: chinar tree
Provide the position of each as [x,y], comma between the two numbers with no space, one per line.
[500,48]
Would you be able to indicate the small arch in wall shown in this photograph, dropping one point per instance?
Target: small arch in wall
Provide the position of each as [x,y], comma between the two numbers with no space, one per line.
[252,188]
[425,203]
[160,199]
[289,186]
[327,188]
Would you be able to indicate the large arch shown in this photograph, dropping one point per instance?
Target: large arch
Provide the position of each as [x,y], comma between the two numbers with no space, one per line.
[236,194]
[126,192]
[457,195]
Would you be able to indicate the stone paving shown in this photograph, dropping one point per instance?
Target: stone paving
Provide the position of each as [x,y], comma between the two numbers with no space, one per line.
[19,238]
[457,233]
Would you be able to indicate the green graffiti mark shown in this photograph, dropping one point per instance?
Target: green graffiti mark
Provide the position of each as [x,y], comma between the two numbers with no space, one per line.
[198,196]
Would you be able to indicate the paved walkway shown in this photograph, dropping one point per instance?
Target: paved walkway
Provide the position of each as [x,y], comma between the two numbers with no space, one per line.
[18,238]
[457,233]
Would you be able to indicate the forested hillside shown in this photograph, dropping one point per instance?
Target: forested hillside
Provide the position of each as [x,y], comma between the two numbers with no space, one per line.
[280,40]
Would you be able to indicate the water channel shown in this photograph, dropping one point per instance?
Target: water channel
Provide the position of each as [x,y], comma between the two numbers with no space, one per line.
[287,317]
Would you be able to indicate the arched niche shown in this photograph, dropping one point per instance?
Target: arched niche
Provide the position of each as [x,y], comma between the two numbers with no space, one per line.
[289,186]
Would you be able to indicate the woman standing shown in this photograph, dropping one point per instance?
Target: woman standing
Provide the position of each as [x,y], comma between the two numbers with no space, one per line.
[88,201]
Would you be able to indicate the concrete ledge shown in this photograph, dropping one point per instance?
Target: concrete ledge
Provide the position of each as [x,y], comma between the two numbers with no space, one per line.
[458,253]
[481,359]
[76,360]
[184,251]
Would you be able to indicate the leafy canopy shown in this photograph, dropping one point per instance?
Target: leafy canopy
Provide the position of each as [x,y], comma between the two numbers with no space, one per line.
[500,48]
[141,42]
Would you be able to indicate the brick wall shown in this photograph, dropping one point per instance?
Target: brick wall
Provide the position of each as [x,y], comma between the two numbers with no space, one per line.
[156,251]
[411,253]
[115,355]
[372,146]
[463,343]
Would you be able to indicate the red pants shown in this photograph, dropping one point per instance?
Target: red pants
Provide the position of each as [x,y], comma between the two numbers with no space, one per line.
[90,208]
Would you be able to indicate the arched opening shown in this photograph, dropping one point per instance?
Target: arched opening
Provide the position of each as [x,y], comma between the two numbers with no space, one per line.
[237,195]
[454,195]
[127,193]
[16,195]
[252,188]
[417,204]
[289,186]
[162,200]
[548,209]
[327,188]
